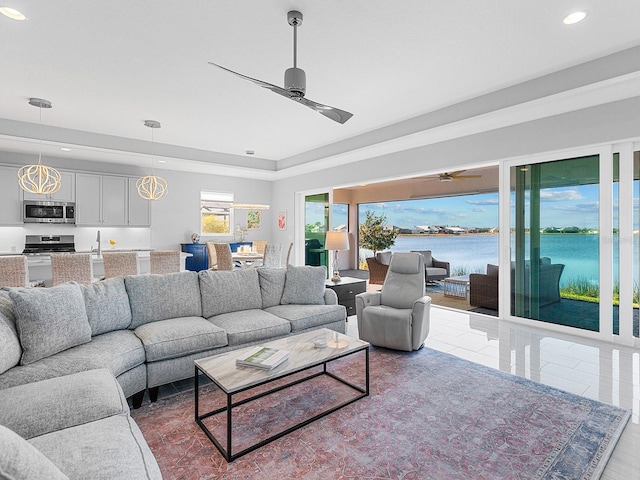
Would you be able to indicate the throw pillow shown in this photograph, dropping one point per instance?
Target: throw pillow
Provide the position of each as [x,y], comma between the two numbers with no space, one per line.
[50,320]
[107,305]
[229,291]
[19,460]
[271,285]
[304,285]
[11,351]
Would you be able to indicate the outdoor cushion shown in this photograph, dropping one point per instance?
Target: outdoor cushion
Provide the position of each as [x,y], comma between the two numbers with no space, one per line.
[158,297]
[384,257]
[177,337]
[107,305]
[229,291]
[19,460]
[435,271]
[303,317]
[492,269]
[271,285]
[105,449]
[11,351]
[304,285]
[118,351]
[250,326]
[50,320]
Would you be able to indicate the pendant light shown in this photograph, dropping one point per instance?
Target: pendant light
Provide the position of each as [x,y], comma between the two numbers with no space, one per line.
[152,187]
[39,178]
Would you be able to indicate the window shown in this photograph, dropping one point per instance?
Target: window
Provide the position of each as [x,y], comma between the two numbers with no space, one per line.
[216,214]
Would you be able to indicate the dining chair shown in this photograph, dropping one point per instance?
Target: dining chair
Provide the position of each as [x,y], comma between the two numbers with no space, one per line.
[260,245]
[164,261]
[272,255]
[289,250]
[211,253]
[14,271]
[120,264]
[223,256]
[67,267]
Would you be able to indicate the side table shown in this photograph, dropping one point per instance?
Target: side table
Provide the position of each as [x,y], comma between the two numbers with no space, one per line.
[347,289]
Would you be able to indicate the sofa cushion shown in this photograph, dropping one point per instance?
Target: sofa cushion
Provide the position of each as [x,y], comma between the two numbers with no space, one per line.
[304,285]
[177,337]
[158,297]
[109,448]
[229,291]
[19,460]
[250,326]
[50,320]
[303,317]
[107,305]
[11,351]
[271,285]
[119,351]
[38,408]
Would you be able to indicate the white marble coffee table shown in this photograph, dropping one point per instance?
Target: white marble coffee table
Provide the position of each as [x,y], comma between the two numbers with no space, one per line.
[223,372]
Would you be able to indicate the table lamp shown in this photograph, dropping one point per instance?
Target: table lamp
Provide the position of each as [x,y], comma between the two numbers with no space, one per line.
[336,241]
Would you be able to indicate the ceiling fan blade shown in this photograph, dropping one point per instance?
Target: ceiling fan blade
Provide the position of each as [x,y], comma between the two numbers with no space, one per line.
[456,173]
[465,177]
[333,113]
[269,86]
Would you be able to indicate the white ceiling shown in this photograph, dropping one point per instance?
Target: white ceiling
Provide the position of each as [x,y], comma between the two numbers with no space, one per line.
[109,65]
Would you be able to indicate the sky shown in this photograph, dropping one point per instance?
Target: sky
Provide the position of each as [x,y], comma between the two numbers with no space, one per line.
[560,207]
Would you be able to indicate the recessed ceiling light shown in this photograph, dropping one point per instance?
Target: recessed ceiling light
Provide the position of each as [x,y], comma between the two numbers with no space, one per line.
[249,152]
[12,13]
[574,17]
[162,161]
[65,149]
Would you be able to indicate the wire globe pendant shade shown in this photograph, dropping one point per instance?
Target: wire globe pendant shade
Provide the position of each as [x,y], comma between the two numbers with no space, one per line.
[152,187]
[39,178]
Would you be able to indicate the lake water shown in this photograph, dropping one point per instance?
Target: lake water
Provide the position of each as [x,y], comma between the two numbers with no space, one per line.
[471,253]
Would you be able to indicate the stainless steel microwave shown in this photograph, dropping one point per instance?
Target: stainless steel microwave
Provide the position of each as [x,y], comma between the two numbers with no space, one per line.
[48,212]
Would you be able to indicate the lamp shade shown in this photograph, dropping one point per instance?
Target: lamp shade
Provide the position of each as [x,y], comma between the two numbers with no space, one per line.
[336,241]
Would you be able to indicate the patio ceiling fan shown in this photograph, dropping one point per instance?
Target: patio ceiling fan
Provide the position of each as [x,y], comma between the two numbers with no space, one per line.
[454,176]
[295,82]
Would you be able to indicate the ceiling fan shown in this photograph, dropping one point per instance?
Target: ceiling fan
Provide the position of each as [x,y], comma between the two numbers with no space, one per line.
[295,79]
[450,176]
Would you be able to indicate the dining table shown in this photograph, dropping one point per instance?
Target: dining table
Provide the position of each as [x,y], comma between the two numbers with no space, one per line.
[247,259]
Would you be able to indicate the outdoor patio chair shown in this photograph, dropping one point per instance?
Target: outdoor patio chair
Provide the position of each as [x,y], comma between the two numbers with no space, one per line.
[398,316]
[434,270]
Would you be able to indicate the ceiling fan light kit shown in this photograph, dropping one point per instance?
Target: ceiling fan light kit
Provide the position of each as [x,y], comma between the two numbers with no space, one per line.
[39,178]
[295,79]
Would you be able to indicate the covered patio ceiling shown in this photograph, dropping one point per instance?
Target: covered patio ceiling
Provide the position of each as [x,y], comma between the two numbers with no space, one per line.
[418,187]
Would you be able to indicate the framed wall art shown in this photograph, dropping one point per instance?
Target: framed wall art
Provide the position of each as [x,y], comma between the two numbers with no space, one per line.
[253,219]
[282,220]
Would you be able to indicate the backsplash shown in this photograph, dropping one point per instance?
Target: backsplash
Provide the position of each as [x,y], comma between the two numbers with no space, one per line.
[12,238]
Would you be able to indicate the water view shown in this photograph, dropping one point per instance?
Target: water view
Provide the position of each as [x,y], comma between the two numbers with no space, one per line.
[471,253]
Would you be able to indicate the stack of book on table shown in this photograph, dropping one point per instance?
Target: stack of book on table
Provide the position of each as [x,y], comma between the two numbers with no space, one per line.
[263,357]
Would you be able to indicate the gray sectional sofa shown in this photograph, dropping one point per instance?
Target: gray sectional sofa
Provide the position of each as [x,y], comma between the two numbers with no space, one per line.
[146,330]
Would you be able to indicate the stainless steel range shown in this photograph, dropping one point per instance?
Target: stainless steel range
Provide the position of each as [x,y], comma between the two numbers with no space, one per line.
[47,244]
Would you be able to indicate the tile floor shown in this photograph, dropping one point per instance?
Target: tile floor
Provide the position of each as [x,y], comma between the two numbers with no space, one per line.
[597,370]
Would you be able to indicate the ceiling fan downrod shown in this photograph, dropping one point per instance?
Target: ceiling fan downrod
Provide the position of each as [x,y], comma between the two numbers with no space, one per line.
[294,78]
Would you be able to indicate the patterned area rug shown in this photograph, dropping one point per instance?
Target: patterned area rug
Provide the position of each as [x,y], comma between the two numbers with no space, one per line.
[430,415]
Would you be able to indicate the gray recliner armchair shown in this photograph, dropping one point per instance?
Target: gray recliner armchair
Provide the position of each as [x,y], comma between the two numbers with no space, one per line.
[398,316]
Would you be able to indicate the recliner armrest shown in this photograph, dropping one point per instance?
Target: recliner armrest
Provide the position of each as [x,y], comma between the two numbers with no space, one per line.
[421,320]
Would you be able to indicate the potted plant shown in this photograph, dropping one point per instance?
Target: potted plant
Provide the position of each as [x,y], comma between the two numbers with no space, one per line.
[374,236]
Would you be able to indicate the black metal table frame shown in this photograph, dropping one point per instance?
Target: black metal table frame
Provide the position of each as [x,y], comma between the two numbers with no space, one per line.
[227,453]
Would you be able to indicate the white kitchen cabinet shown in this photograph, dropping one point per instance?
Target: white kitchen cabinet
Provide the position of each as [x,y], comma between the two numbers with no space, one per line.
[10,197]
[67,192]
[139,208]
[101,200]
